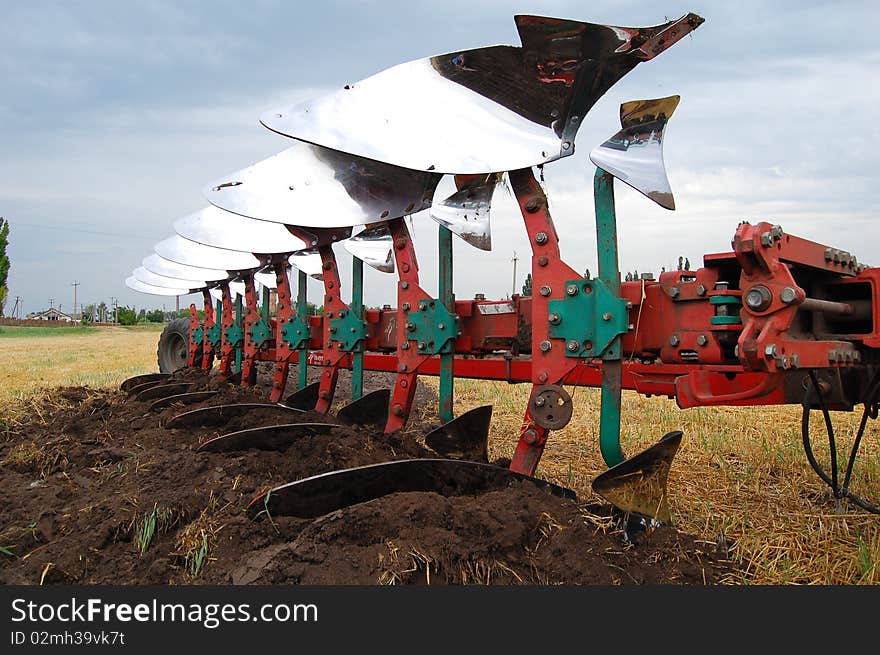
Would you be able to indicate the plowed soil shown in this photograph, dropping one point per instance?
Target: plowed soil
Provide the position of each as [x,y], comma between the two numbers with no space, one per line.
[97,491]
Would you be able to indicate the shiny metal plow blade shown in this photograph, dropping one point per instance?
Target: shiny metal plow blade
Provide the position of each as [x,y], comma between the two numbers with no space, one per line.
[638,484]
[373,246]
[222,414]
[464,437]
[495,108]
[162,391]
[270,437]
[182,399]
[635,154]
[321,494]
[466,212]
[130,383]
[304,399]
[371,409]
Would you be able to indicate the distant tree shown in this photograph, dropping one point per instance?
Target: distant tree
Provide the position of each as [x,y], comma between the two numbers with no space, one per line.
[126,315]
[154,316]
[4,262]
[527,287]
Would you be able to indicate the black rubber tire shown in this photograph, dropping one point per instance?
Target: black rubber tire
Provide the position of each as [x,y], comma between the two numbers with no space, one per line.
[173,347]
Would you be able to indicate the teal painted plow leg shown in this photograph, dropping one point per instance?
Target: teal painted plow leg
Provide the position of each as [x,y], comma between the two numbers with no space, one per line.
[357,308]
[239,322]
[447,299]
[609,273]
[301,312]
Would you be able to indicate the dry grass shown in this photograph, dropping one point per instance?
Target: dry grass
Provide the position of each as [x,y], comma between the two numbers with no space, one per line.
[97,357]
[741,476]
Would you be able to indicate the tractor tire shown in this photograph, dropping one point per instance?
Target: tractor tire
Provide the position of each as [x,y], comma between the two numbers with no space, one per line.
[173,346]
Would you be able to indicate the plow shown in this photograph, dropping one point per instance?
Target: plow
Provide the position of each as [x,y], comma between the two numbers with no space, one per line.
[775,319]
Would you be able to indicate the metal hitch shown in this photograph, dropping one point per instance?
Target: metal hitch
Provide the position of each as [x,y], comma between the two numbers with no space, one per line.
[464,437]
[638,485]
[271,437]
[371,409]
[221,414]
[321,494]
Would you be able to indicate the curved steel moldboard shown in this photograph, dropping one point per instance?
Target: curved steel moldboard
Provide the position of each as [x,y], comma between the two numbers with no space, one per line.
[235,289]
[638,484]
[156,280]
[222,229]
[163,390]
[182,399]
[635,154]
[312,186]
[466,212]
[374,247]
[161,266]
[136,285]
[370,409]
[494,108]
[130,383]
[305,398]
[183,251]
[270,437]
[464,437]
[221,414]
[328,492]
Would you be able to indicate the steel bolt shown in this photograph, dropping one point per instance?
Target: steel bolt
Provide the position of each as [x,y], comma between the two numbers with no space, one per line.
[607,316]
[532,205]
[540,401]
[722,286]
[788,295]
[573,346]
[776,231]
[422,305]
[411,327]
[545,290]
[571,290]
[397,410]
[404,345]
[404,285]
[766,239]
[402,368]
[674,291]
[701,290]
[771,350]
[542,261]
[542,377]
[795,360]
[545,346]
[702,340]
[441,326]
[541,238]
[405,307]
[530,436]
[674,340]
[324,395]
[421,345]
[555,319]
[758,298]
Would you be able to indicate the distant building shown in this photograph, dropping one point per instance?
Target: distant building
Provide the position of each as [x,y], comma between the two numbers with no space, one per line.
[51,314]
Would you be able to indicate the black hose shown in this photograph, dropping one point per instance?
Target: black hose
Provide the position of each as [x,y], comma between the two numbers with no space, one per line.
[870,412]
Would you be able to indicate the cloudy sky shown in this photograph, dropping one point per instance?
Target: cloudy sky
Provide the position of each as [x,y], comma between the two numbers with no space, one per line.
[114,115]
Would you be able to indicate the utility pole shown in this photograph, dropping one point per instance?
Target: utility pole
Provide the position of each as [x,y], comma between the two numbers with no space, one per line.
[513,287]
[51,303]
[113,304]
[74,285]
[16,309]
